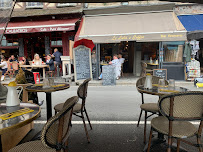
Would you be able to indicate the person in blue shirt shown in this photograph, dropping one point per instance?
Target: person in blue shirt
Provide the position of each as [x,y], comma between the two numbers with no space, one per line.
[57,61]
[57,56]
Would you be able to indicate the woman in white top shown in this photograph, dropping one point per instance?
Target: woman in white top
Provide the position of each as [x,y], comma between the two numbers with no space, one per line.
[37,60]
[4,67]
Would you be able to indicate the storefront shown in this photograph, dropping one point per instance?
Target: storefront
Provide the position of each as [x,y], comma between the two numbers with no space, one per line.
[30,37]
[137,35]
[194,26]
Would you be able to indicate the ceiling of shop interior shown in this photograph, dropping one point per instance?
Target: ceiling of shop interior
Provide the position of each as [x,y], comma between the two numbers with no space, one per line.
[105,1]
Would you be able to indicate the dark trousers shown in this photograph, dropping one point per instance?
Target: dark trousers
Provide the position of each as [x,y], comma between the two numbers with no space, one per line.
[4,71]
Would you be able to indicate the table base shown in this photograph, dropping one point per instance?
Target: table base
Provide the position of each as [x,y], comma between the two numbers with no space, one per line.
[49,105]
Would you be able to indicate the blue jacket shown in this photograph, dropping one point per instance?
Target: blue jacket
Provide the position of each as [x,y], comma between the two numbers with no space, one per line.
[51,65]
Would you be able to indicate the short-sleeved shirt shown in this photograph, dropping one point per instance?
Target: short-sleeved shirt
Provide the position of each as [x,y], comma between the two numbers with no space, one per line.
[115,62]
[57,56]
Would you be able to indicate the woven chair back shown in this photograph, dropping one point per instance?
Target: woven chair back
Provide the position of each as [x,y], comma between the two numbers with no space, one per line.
[82,89]
[182,106]
[15,65]
[9,65]
[56,130]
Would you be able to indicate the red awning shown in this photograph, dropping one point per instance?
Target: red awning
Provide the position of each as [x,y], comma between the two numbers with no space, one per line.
[41,26]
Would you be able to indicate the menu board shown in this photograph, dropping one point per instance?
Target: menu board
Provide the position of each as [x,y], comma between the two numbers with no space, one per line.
[162,73]
[108,75]
[82,63]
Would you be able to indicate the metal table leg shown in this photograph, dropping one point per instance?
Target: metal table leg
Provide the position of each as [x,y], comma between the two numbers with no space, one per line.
[49,105]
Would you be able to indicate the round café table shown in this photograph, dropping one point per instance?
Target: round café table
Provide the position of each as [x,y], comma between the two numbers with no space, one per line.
[155,91]
[48,91]
[13,130]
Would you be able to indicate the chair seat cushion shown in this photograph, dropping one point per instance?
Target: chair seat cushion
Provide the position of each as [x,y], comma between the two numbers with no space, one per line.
[150,107]
[32,146]
[180,129]
[59,106]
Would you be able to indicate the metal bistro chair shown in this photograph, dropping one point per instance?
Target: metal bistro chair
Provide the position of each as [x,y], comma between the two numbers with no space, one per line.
[178,110]
[55,132]
[79,108]
[144,70]
[147,107]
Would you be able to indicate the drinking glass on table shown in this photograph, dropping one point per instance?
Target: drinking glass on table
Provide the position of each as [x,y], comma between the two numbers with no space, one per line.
[171,84]
[161,84]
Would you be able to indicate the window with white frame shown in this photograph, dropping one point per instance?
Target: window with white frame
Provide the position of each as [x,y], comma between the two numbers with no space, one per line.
[66,4]
[34,5]
[6,3]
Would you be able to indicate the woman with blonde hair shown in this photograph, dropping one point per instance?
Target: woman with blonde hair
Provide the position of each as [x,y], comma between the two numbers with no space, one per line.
[37,60]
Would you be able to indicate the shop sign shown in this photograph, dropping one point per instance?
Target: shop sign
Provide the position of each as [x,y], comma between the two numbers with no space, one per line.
[39,29]
[171,35]
[12,31]
[126,38]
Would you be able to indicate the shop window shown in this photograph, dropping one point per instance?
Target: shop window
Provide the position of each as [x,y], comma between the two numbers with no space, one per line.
[34,5]
[56,39]
[10,41]
[66,4]
[5,4]
[173,51]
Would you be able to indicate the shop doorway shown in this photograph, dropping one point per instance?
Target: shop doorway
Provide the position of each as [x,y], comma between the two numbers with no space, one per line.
[126,49]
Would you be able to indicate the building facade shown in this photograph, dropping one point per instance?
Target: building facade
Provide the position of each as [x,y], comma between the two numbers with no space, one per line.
[37,27]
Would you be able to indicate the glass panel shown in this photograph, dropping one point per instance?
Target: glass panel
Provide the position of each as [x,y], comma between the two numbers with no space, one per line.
[53,42]
[34,4]
[66,4]
[173,51]
[59,42]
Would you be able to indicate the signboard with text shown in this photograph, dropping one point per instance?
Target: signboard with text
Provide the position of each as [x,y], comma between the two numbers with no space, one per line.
[82,63]
[33,29]
[162,73]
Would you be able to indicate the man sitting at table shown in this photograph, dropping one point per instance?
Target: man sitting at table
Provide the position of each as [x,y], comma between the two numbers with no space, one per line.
[50,62]
[115,62]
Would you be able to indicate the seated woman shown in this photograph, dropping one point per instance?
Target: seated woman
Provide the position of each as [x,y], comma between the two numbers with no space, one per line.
[4,67]
[24,61]
[50,62]
[37,61]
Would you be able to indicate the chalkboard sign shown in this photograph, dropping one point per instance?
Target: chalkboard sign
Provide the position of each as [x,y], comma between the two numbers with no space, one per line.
[82,63]
[108,75]
[162,73]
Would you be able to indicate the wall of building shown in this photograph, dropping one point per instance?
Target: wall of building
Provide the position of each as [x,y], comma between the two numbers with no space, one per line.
[188,9]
